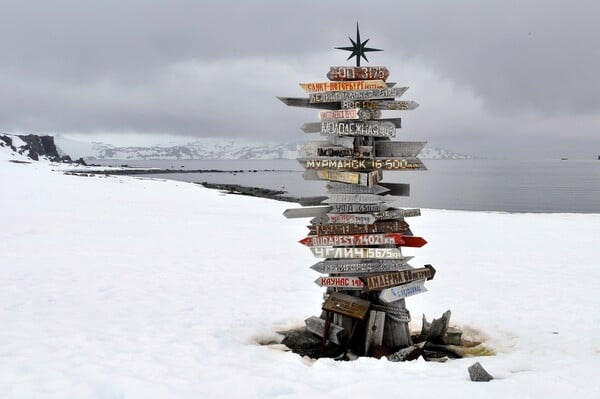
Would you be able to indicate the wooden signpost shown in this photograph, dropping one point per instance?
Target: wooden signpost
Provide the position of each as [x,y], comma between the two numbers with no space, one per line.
[358,233]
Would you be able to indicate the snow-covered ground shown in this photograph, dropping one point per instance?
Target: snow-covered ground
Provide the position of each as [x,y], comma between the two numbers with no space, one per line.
[119,287]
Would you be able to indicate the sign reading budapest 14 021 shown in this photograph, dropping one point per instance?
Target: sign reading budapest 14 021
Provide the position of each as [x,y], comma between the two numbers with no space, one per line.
[341,73]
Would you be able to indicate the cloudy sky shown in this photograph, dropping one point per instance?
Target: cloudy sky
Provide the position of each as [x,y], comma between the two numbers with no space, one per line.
[493,78]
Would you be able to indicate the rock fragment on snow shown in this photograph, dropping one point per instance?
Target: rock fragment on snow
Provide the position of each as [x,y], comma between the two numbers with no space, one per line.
[478,373]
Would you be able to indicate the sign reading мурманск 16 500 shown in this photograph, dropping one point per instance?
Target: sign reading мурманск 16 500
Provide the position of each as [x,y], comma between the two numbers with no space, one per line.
[363,164]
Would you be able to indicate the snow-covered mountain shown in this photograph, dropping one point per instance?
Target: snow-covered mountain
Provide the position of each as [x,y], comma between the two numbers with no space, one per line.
[204,148]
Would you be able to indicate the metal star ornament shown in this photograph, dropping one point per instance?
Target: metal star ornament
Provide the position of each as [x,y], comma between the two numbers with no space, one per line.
[358,48]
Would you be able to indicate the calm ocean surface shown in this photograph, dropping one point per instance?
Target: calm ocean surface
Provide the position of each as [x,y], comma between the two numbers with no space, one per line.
[478,185]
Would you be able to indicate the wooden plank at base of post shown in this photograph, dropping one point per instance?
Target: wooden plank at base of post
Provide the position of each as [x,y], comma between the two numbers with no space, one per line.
[346,305]
[316,325]
[374,332]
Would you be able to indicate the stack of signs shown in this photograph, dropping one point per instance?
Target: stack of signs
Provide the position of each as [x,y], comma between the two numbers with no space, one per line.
[358,232]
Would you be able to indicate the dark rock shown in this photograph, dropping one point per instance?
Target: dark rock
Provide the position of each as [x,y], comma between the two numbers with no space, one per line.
[478,373]
[305,343]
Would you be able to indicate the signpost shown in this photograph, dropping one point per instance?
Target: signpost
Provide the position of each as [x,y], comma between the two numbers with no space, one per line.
[358,234]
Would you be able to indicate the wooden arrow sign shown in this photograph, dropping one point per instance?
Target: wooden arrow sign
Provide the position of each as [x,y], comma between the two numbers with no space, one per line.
[344,266]
[398,149]
[343,188]
[393,294]
[337,96]
[353,240]
[365,179]
[412,241]
[359,208]
[358,198]
[349,114]
[383,128]
[339,86]
[365,164]
[306,212]
[391,214]
[303,102]
[342,73]
[356,253]
[396,226]
[350,218]
[320,220]
[397,189]
[380,105]
[378,282]
[344,282]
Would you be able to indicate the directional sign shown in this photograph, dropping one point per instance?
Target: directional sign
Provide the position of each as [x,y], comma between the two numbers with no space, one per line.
[364,164]
[350,218]
[358,208]
[338,86]
[397,189]
[343,266]
[346,305]
[412,241]
[370,128]
[356,253]
[400,149]
[306,212]
[396,226]
[341,73]
[366,179]
[391,214]
[352,240]
[358,198]
[380,105]
[303,102]
[335,96]
[353,113]
[343,188]
[320,220]
[345,282]
[386,280]
[402,291]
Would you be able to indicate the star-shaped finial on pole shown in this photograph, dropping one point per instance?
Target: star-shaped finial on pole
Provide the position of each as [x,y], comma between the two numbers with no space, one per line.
[358,48]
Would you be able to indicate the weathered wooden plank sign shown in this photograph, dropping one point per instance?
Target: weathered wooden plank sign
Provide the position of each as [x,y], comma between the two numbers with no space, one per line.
[343,188]
[398,149]
[358,198]
[396,226]
[350,218]
[356,253]
[380,105]
[343,85]
[344,282]
[381,128]
[338,96]
[359,208]
[350,113]
[303,102]
[374,330]
[365,164]
[352,240]
[393,294]
[343,266]
[306,212]
[346,305]
[386,280]
[397,189]
[316,325]
[342,73]
[396,214]
[366,179]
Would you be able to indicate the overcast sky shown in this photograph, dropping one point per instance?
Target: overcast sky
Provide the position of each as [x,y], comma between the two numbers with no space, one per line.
[493,78]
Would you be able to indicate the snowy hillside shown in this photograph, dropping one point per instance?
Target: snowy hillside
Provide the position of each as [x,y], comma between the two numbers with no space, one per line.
[204,148]
[118,287]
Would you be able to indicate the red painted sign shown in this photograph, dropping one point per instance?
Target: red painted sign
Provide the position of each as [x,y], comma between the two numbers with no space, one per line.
[353,240]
